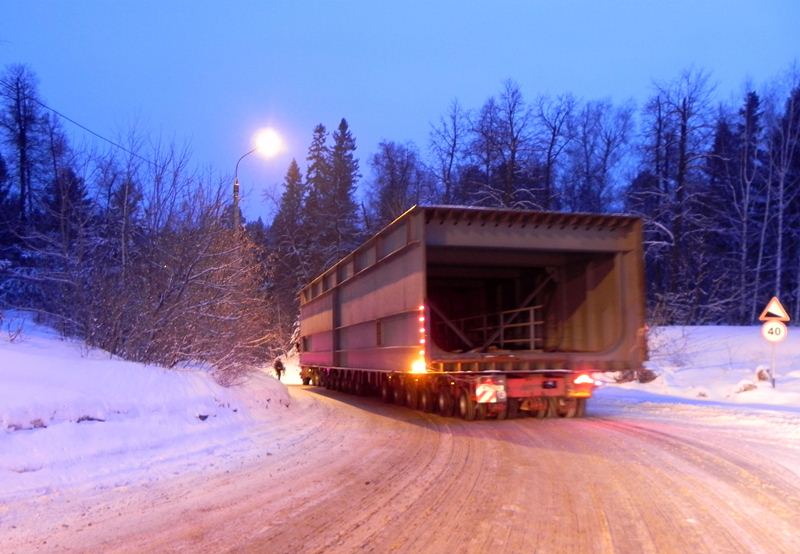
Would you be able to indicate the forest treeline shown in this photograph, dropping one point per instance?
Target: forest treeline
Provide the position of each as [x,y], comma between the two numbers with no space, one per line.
[134,251]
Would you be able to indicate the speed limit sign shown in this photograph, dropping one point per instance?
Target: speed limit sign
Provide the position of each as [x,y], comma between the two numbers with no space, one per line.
[774,331]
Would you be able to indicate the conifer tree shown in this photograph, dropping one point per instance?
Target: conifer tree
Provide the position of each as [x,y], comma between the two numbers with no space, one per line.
[289,258]
[317,174]
[340,203]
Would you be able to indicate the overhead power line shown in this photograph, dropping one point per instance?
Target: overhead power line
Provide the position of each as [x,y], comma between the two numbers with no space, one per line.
[81,126]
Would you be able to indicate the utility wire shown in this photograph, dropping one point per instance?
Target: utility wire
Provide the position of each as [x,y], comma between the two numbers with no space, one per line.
[84,127]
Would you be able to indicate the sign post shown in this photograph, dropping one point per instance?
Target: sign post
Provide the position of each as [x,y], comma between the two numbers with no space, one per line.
[774,329]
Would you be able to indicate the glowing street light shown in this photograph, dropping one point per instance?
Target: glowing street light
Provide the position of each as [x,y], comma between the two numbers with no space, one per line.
[268,143]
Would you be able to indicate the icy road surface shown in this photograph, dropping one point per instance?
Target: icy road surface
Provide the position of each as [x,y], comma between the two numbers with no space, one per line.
[353,474]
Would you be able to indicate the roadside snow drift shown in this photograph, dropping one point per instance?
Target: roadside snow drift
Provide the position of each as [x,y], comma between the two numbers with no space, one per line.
[68,415]
[723,364]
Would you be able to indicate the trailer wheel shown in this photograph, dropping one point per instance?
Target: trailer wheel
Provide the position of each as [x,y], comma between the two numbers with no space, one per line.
[386,391]
[548,410]
[412,397]
[425,400]
[581,411]
[567,407]
[306,381]
[398,394]
[466,407]
[512,408]
[444,403]
[503,412]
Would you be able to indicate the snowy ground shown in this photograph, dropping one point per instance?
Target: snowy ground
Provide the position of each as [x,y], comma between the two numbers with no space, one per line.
[75,419]
[71,417]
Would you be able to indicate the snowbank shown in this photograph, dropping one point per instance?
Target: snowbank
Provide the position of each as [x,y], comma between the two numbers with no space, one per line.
[721,364]
[68,415]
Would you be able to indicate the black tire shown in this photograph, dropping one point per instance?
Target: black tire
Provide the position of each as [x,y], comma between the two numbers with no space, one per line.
[512,408]
[398,394]
[306,381]
[444,403]
[466,407]
[386,391]
[411,397]
[426,400]
[581,408]
[503,413]
[566,407]
[543,411]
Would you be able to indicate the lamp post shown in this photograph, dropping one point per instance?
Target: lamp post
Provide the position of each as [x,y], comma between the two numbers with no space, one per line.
[267,143]
[236,190]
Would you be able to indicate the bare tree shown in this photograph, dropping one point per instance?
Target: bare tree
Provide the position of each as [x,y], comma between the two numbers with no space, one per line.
[502,151]
[400,181]
[20,123]
[688,103]
[670,194]
[515,147]
[599,136]
[447,144]
[784,155]
[483,151]
[553,116]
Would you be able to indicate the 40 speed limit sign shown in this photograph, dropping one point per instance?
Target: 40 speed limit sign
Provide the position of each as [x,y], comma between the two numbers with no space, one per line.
[774,330]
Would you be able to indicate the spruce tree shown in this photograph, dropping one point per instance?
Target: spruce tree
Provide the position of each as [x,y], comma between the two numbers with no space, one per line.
[318,173]
[289,258]
[341,205]
[288,221]
[314,217]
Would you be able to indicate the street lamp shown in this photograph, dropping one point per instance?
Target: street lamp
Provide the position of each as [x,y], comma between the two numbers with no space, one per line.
[268,143]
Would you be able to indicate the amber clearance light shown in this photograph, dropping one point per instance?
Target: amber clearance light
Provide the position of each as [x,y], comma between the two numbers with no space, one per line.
[419,365]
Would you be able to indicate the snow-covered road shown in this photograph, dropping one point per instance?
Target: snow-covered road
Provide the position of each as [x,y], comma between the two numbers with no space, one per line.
[353,474]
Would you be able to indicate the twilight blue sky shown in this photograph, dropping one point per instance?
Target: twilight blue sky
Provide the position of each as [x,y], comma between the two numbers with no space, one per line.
[209,73]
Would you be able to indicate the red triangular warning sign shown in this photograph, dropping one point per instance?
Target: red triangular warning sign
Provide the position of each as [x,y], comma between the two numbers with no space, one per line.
[774,311]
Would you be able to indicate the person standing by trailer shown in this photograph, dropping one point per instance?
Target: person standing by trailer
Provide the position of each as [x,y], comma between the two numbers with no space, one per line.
[278,365]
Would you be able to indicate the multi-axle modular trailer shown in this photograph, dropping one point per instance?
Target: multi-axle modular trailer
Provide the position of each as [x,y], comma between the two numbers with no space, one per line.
[480,312]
